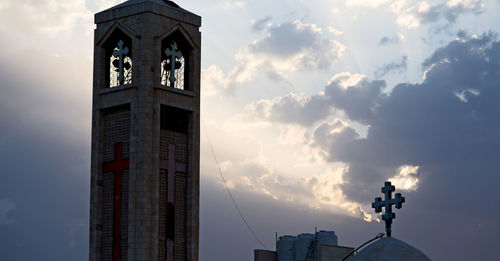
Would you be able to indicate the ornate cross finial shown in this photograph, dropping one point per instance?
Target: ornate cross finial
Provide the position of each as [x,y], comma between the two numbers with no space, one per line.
[119,53]
[172,55]
[398,201]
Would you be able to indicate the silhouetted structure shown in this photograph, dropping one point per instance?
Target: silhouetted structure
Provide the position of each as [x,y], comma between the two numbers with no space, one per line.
[145,133]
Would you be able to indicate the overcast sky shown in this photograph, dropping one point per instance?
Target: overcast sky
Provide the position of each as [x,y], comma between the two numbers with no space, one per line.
[325,99]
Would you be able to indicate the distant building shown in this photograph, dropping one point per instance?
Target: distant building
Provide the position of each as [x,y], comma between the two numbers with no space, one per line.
[321,246]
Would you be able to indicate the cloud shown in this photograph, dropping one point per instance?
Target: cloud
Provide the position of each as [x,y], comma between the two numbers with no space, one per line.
[288,47]
[334,31]
[349,93]
[421,136]
[412,14]
[436,140]
[406,178]
[370,3]
[397,66]
[425,13]
[45,16]
[261,24]
[320,191]
[425,125]
[289,108]
[294,46]
[391,40]
[62,82]
[105,4]
[214,80]
[454,8]
[44,148]
[233,4]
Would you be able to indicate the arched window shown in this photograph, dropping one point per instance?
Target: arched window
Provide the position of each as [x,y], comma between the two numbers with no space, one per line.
[118,61]
[175,61]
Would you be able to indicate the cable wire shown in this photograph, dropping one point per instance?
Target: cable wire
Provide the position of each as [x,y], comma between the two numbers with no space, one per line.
[378,236]
[229,191]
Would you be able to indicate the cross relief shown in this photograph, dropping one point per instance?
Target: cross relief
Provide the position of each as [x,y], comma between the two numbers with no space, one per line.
[172,167]
[117,167]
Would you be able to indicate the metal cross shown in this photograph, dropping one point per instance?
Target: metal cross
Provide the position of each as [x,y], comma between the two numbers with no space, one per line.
[119,53]
[388,216]
[172,55]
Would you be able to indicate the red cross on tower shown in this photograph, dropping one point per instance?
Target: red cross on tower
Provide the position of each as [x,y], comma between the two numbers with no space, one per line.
[172,167]
[117,166]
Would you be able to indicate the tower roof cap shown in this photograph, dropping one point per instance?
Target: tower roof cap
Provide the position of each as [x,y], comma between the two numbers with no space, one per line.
[161,7]
[133,2]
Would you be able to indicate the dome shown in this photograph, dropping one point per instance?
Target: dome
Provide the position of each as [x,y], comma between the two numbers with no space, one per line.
[389,249]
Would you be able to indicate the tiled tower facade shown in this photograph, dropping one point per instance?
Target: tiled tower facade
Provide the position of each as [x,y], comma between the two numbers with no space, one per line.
[145,133]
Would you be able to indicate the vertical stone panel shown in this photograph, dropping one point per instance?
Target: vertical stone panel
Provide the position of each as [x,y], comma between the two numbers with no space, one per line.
[180,142]
[162,247]
[172,135]
[180,218]
[116,129]
[124,216]
[107,217]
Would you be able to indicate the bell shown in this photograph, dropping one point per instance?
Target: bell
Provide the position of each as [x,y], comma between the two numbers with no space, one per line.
[127,66]
[116,63]
[178,65]
[166,65]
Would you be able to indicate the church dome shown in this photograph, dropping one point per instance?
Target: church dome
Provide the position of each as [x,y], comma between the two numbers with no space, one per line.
[390,249]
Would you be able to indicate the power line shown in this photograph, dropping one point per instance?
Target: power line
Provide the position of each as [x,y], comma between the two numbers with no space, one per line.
[229,191]
[378,236]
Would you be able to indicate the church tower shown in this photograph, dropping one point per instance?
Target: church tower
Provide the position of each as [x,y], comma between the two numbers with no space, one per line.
[145,133]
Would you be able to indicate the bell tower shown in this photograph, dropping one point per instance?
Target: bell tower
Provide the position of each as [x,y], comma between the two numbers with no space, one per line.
[144,201]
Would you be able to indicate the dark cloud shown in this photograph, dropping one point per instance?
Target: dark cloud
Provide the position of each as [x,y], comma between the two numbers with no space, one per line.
[454,140]
[44,157]
[389,40]
[385,40]
[397,67]
[357,100]
[298,45]
[452,12]
[286,48]
[286,40]
[261,24]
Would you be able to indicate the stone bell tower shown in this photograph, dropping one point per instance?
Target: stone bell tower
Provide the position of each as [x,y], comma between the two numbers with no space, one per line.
[145,133]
